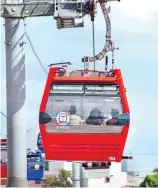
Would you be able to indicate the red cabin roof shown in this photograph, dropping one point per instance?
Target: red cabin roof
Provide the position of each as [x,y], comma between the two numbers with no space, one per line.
[86,90]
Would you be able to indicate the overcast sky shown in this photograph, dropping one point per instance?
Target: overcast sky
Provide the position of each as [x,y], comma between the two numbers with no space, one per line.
[134,31]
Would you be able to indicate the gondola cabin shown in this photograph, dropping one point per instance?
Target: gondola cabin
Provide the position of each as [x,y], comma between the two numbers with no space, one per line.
[35,166]
[84,115]
[39,143]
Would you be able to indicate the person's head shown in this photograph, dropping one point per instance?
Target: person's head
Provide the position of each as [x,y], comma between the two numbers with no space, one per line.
[95,117]
[95,113]
[72,110]
[114,113]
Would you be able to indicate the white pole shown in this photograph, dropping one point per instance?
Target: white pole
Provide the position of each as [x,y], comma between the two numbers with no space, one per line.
[15,90]
[83,177]
[93,35]
[76,174]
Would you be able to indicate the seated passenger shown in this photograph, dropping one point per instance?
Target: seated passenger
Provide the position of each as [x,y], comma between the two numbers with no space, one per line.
[122,119]
[74,119]
[113,120]
[95,117]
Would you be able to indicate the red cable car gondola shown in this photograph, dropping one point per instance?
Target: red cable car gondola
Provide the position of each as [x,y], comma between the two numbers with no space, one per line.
[92,136]
[3,158]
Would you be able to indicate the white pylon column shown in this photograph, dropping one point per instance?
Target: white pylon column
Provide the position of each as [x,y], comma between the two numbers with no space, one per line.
[76,174]
[15,90]
[83,177]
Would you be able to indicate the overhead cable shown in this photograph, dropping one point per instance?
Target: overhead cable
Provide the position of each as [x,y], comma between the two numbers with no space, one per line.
[3,114]
[35,53]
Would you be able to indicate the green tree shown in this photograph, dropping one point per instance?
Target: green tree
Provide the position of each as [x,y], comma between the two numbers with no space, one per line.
[62,180]
[155,170]
[150,180]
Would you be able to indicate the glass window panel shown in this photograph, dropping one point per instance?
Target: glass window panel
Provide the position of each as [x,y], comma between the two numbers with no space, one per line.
[32,161]
[84,108]
[76,73]
[33,158]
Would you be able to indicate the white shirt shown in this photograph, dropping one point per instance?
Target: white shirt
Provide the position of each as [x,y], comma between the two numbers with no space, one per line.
[75,120]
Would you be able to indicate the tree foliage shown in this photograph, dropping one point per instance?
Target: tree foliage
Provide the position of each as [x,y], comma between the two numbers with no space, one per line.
[155,170]
[62,180]
[150,180]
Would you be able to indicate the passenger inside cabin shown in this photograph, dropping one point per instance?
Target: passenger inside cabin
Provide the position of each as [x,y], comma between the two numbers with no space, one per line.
[74,119]
[118,119]
[113,120]
[95,117]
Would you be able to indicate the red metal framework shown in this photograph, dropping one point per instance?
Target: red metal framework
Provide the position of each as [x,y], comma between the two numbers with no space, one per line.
[103,146]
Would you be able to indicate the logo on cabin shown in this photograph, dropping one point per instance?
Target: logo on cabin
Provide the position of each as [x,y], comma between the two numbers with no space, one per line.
[63,118]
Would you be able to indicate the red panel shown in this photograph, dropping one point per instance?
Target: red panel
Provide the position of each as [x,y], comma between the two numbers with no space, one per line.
[3,171]
[3,142]
[84,147]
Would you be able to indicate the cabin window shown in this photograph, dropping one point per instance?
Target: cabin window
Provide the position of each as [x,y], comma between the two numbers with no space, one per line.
[34,162]
[83,108]
[3,157]
[33,158]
